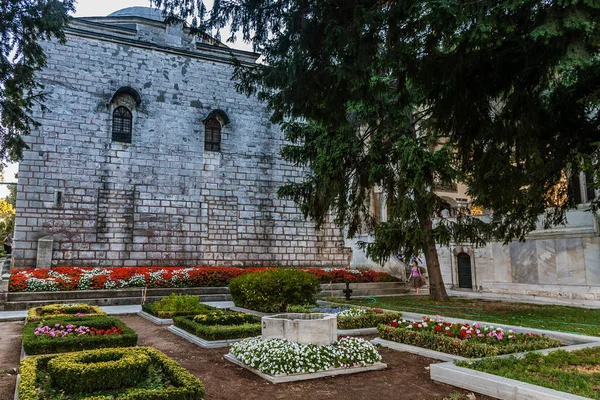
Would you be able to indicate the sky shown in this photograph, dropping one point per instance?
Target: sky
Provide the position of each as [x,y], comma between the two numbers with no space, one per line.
[95,8]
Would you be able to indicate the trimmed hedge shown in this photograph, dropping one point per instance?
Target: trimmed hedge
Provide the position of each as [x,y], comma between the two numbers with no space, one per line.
[368,320]
[177,305]
[459,347]
[272,291]
[217,332]
[220,317]
[33,344]
[56,311]
[78,372]
[178,382]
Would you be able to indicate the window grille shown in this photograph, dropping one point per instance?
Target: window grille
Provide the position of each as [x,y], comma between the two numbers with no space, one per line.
[212,135]
[121,126]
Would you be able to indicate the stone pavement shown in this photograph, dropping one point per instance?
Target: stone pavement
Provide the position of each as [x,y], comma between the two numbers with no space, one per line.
[516,298]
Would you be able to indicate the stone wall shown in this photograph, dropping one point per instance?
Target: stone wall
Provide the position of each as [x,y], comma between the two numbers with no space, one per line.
[161,200]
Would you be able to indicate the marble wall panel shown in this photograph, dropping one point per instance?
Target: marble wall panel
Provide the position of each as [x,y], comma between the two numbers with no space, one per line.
[501,262]
[546,261]
[591,254]
[570,261]
[524,262]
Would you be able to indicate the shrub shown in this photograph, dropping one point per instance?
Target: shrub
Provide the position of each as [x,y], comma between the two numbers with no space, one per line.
[272,291]
[175,305]
[217,332]
[166,379]
[219,317]
[56,311]
[78,372]
[44,344]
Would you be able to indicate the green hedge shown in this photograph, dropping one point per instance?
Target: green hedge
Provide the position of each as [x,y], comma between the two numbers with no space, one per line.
[174,382]
[78,372]
[464,348]
[33,344]
[56,311]
[217,332]
[220,317]
[273,290]
[177,305]
[368,320]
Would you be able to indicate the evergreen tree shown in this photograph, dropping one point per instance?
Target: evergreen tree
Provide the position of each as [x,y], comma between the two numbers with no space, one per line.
[23,24]
[502,95]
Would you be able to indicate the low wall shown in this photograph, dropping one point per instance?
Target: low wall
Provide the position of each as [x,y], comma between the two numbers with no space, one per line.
[118,297]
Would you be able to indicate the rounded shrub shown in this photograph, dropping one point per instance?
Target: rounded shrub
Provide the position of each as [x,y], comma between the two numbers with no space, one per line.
[273,290]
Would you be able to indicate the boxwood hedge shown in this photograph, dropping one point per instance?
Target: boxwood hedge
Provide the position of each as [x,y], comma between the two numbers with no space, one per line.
[33,344]
[218,332]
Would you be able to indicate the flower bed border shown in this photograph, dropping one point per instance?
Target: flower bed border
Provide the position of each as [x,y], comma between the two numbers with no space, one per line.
[155,320]
[207,344]
[169,365]
[301,377]
[76,343]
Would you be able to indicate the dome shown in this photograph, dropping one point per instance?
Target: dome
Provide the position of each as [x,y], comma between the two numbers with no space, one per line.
[140,12]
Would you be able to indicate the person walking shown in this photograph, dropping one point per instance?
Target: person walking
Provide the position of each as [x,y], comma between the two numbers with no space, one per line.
[415,275]
[8,242]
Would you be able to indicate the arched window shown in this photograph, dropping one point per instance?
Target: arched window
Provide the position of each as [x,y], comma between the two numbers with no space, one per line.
[121,125]
[212,135]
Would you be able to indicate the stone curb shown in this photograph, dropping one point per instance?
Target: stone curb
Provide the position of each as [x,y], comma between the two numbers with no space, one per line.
[493,385]
[156,320]
[357,332]
[17,387]
[207,344]
[437,355]
[301,377]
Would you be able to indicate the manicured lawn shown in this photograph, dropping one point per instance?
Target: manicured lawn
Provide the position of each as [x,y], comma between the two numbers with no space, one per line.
[558,318]
[576,372]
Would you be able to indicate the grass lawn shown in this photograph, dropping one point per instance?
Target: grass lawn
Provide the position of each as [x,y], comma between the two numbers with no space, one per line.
[577,372]
[557,318]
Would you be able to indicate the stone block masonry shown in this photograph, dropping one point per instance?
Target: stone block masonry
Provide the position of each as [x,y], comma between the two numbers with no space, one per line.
[161,199]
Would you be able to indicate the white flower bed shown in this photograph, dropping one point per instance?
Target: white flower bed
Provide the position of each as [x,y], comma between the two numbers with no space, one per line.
[352,312]
[280,357]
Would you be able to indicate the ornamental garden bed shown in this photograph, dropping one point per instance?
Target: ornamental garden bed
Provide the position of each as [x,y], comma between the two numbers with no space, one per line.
[74,278]
[465,340]
[59,335]
[175,305]
[575,372]
[353,320]
[216,328]
[278,360]
[56,311]
[140,373]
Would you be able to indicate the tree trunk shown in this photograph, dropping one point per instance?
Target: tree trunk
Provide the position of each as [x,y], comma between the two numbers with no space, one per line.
[437,290]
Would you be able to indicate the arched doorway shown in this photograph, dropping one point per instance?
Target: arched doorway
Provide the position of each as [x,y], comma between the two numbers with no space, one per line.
[464,271]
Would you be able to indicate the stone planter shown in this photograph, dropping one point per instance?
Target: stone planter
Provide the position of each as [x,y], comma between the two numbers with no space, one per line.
[313,328]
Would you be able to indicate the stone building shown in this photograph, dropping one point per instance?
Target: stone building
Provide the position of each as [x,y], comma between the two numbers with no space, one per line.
[147,155]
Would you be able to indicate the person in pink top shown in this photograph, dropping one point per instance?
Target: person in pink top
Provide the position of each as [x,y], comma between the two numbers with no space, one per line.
[415,275]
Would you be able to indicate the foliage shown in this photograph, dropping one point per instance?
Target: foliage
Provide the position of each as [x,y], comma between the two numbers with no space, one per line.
[44,344]
[79,372]
[218,332]
[583,321]
[274,290]
[166,379]
[351,318]
[463,339]
[501,95]
[55,311]
[23,25]
[571,372]
[74,278]
[219,317]
[177,304]
[278,356]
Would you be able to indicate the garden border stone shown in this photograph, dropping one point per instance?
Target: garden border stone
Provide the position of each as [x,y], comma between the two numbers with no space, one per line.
[156,320]
[357,332]
[207,344]
[301,377]
[17,387]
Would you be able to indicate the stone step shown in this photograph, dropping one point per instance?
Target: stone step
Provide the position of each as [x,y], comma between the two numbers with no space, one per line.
[114,301]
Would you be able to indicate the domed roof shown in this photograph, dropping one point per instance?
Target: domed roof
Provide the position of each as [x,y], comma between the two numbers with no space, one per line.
[141,12]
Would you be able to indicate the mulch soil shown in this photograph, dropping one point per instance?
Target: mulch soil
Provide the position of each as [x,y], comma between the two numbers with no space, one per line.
[407,375]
